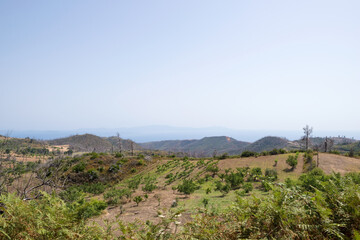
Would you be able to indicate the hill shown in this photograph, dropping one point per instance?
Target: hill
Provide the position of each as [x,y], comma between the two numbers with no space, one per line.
[203,147]
[206,146]
[269,143]
[89,143]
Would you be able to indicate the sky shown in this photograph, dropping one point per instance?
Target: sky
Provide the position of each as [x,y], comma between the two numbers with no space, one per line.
[274,65]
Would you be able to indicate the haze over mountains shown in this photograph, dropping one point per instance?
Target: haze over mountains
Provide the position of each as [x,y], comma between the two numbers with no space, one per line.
[204,147]
[161,133]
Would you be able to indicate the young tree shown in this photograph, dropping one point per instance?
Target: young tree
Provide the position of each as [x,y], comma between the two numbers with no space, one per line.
[187,187]
[248,187]
[158,198]
[213,168]
[205,201]
[292,161]
[137,199]
[307,134]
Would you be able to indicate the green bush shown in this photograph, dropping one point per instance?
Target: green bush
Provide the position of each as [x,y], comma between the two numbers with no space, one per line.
[149,187]
[114,195]
[94,155]
[213,168]
[255,173]
[114,168]
[187,187]
[292,161]
[287,213]
[45,218]
[94,188]
[134,182]
[93,174]
[223,156]
[90,208]
[248,154]
[234,180]
[170,175]
[271,174]
[248,187]
[80,167]
[137,199]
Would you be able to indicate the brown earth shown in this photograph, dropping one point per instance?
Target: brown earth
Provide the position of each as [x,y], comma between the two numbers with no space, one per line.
[149,209]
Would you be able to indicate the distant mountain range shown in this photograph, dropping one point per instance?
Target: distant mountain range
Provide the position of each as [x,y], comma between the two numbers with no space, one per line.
[161,133]
[222,144]
[206,146]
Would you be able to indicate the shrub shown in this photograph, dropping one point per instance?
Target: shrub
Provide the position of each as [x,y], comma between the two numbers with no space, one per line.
[137,199]
[234,179]
[255,173]
[224,156]
[213,168]
[170,175]
[265,185]
[292,161]
[187,187]
[141,162]
[93,174]
[274,152]
[308,157]
[149,187]
[271,174]
[205,201]
[45,218]
[71,194]
[113,196]
[94,188]
[248,154]
[89,209]
[248,187]
[80,167]
[295,214]
[94,155]
[134,182]
[313,179]
[223,188]
[275,162]
[114,168]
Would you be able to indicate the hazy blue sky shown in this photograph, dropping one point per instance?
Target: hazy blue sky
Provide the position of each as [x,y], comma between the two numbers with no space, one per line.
[237,64]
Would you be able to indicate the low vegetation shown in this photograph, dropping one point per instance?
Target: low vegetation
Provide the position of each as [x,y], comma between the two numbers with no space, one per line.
[275,194]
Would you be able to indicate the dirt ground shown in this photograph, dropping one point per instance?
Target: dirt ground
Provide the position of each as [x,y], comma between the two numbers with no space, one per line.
[149,208]
[336,163]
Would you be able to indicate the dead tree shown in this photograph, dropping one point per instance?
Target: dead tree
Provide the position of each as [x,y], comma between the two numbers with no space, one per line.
[307,134]
[50,175]
[326,144]
[132,148]
[214,153]
[119,142]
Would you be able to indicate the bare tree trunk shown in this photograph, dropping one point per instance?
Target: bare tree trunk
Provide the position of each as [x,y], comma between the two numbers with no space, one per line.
[132,148]
[307,133]
[119,142]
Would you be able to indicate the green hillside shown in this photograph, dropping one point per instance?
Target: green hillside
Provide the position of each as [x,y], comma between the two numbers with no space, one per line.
[203,147]
[90,143]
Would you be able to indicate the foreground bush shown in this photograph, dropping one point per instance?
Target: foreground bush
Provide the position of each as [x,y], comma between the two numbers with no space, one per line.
[330,212]
[47,218]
